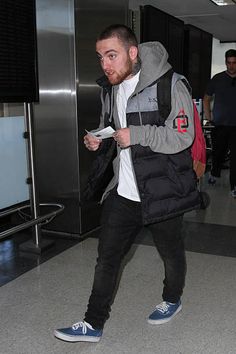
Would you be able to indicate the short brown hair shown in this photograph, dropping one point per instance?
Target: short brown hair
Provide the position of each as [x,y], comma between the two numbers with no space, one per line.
[122,32]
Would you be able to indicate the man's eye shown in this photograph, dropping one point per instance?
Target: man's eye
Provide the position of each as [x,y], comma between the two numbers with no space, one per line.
[112,56]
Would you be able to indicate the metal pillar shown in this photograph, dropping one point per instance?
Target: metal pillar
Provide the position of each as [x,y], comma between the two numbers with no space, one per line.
[37,245]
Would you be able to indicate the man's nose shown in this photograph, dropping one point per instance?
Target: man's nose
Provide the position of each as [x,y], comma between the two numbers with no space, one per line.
[105,64]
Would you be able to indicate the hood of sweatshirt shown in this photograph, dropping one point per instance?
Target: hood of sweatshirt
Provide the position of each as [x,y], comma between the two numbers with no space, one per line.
[154,63]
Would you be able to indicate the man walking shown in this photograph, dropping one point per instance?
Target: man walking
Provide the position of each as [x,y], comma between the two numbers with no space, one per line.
[222,89]
[153,183]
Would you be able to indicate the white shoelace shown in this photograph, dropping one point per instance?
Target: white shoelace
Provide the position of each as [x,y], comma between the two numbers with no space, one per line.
[163,307]
[82,324]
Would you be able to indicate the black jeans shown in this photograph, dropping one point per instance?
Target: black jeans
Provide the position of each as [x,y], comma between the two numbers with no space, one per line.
[121,221]
[224,139]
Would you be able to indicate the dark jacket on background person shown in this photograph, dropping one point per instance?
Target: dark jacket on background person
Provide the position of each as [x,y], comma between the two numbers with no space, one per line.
[160,149]
[223,87]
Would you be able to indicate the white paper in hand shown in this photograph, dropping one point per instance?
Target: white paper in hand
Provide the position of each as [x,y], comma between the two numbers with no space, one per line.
[103,133]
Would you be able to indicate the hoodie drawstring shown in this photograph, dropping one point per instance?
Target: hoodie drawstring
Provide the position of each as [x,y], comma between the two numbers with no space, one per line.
[139,110]
[111,104]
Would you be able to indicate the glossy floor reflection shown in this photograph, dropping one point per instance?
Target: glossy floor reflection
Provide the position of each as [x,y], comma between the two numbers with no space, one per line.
[14,262]
[222,208]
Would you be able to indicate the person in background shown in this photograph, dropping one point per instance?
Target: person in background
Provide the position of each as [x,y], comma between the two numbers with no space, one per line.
[153,183]
[222,90]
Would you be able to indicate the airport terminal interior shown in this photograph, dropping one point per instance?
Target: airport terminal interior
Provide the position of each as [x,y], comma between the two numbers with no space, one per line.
[42,291]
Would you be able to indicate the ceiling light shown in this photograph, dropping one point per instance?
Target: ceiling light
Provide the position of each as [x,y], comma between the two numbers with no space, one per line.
[224,2]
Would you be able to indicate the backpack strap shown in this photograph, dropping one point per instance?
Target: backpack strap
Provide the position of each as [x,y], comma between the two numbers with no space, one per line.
[164,94]
[185,81]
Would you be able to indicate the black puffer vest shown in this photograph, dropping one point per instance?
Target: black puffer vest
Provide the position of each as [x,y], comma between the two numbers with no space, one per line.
[167,183]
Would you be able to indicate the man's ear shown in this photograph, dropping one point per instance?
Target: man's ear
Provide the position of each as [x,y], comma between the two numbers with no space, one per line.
[133,52]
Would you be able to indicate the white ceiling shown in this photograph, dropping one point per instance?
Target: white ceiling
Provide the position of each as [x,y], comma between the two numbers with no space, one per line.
[220,21]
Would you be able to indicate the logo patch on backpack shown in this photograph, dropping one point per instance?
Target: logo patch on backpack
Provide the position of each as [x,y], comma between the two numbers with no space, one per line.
[181,122]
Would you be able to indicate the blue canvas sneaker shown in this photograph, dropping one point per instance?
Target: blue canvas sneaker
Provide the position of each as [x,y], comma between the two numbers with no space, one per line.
[79,332]
[164,312]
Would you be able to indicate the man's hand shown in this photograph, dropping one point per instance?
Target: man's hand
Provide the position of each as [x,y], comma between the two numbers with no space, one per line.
[122,136]
[92,143]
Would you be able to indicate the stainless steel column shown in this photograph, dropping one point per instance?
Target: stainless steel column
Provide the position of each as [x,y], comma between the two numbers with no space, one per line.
[69,102]
[32,182]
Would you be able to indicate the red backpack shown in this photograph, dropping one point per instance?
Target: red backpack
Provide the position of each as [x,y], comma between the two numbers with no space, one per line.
[198,149]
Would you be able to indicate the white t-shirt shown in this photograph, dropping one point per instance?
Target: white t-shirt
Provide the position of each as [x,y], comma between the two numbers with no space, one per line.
[127,186]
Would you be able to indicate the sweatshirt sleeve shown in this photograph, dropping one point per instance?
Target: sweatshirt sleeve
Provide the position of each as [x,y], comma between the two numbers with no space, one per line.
[178,132]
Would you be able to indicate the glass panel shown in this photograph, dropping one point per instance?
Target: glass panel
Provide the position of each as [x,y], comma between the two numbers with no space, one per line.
[13,162]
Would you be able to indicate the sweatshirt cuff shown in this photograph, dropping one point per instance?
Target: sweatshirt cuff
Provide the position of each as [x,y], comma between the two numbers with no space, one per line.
[136,134]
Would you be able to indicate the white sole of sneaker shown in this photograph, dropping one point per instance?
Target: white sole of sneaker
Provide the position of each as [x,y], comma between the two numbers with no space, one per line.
[68,338]
[165,320]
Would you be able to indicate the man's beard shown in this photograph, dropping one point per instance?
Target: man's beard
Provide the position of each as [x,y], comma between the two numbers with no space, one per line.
[120,77]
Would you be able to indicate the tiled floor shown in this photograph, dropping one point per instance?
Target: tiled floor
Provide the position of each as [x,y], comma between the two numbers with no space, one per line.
[55,294]
[40,293]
